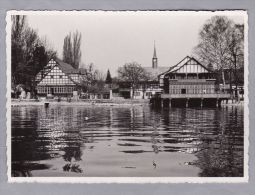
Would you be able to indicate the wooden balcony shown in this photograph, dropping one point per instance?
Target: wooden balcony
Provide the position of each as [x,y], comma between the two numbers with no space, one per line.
[197,96]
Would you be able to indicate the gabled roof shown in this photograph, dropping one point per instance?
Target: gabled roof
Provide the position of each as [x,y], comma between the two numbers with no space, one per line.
[154,72]
[68,69]
[183,62]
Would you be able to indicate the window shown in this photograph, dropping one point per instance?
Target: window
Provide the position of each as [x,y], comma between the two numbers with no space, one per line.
[148,94]
[137,93]
[60,76]
[52,76]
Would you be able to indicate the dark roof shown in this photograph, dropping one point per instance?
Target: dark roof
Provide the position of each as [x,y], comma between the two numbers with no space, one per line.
[68,69]
[182,63]
[154,72]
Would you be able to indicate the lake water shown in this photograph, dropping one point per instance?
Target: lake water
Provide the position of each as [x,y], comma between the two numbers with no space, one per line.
[127,141]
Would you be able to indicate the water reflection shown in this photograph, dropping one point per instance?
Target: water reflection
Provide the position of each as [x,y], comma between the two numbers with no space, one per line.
[122,141]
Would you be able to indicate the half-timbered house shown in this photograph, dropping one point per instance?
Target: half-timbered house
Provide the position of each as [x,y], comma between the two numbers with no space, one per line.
[58,79]
[190,81]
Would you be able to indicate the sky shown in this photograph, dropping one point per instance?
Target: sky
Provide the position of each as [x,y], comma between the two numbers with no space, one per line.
[111,39]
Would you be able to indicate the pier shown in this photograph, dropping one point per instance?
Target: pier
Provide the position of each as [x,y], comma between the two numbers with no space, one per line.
[190,100]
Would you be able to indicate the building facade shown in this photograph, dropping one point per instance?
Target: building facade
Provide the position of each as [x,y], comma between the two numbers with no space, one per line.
[58,79]
[148,89]
[188,77]
[190,82]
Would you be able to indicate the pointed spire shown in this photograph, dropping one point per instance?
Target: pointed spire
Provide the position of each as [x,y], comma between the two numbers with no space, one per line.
[154,53]
[154,58]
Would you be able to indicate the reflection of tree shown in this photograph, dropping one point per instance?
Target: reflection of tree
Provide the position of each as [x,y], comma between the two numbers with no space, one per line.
[26,146]
[74,142]
[40,134]
[215,136]
[72,167]
[72,153]
[222,155]
[24,168]
[219,160]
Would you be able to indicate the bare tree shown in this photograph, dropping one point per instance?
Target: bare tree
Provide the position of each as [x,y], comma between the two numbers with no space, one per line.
[76,49]
[222,46]
[51,52]
[19,25]
[93,80]
[236,52]
[72,49]
[67,50]
[213,47]
[133,73]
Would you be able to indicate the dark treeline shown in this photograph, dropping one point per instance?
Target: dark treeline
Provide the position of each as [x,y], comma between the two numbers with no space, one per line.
[29,53]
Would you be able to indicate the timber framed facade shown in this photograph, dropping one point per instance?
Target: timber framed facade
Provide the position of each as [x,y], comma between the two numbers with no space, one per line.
[58,79]
[190,82]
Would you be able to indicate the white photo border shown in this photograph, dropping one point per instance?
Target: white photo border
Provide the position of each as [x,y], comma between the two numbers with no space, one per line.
[131,180]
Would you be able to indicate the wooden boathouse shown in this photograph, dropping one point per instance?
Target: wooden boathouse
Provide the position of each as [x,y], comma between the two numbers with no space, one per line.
[189,84]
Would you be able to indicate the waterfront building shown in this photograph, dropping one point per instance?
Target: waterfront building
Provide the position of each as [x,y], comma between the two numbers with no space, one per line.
[143,90]
[190,83]
[148,89]
[58,78]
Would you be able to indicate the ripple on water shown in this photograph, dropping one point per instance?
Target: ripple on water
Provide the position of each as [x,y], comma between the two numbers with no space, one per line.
[115,141]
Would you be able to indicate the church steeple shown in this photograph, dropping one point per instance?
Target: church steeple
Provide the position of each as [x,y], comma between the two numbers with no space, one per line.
[154,58]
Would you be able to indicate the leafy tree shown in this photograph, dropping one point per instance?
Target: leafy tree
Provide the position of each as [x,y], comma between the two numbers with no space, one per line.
[28,55]
[72,49]
[132,73]
[108,79]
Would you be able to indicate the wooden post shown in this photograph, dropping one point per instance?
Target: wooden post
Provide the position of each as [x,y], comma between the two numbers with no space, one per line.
[46,104]
[110,96]
[217,103]
[201,104]
[170,102]
[187,103]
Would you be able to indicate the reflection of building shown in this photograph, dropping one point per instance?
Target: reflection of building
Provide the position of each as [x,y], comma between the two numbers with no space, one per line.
[58,78]
[190,81]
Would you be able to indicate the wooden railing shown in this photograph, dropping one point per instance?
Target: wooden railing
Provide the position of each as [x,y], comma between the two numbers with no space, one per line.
[212,95]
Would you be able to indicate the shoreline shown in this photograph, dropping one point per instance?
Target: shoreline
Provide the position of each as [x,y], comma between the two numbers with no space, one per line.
[127,102]
[81,103]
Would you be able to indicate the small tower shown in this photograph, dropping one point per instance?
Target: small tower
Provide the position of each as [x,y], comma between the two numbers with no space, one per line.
[154,58]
